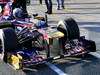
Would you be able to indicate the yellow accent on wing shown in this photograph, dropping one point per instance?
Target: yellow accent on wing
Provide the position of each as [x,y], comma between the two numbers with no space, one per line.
[56,35]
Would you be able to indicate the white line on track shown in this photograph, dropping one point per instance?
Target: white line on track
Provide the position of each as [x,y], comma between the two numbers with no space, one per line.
[89,26]
[56,69]
[95,54]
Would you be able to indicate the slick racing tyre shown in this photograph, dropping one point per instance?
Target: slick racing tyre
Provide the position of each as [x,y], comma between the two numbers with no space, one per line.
[70,29]
[8,40]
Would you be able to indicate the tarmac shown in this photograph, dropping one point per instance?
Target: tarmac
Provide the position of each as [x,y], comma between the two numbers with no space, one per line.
[87,15]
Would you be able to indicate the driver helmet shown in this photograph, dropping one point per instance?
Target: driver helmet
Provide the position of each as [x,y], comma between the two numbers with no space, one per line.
[17,13]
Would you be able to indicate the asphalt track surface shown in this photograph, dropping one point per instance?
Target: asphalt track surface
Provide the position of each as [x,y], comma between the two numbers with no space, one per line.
[87,14]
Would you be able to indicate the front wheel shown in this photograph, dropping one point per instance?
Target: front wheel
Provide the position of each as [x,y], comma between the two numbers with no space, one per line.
[70,28]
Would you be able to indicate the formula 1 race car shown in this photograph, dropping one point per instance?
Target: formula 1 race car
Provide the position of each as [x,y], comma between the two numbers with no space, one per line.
[24,43]
[32,46]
